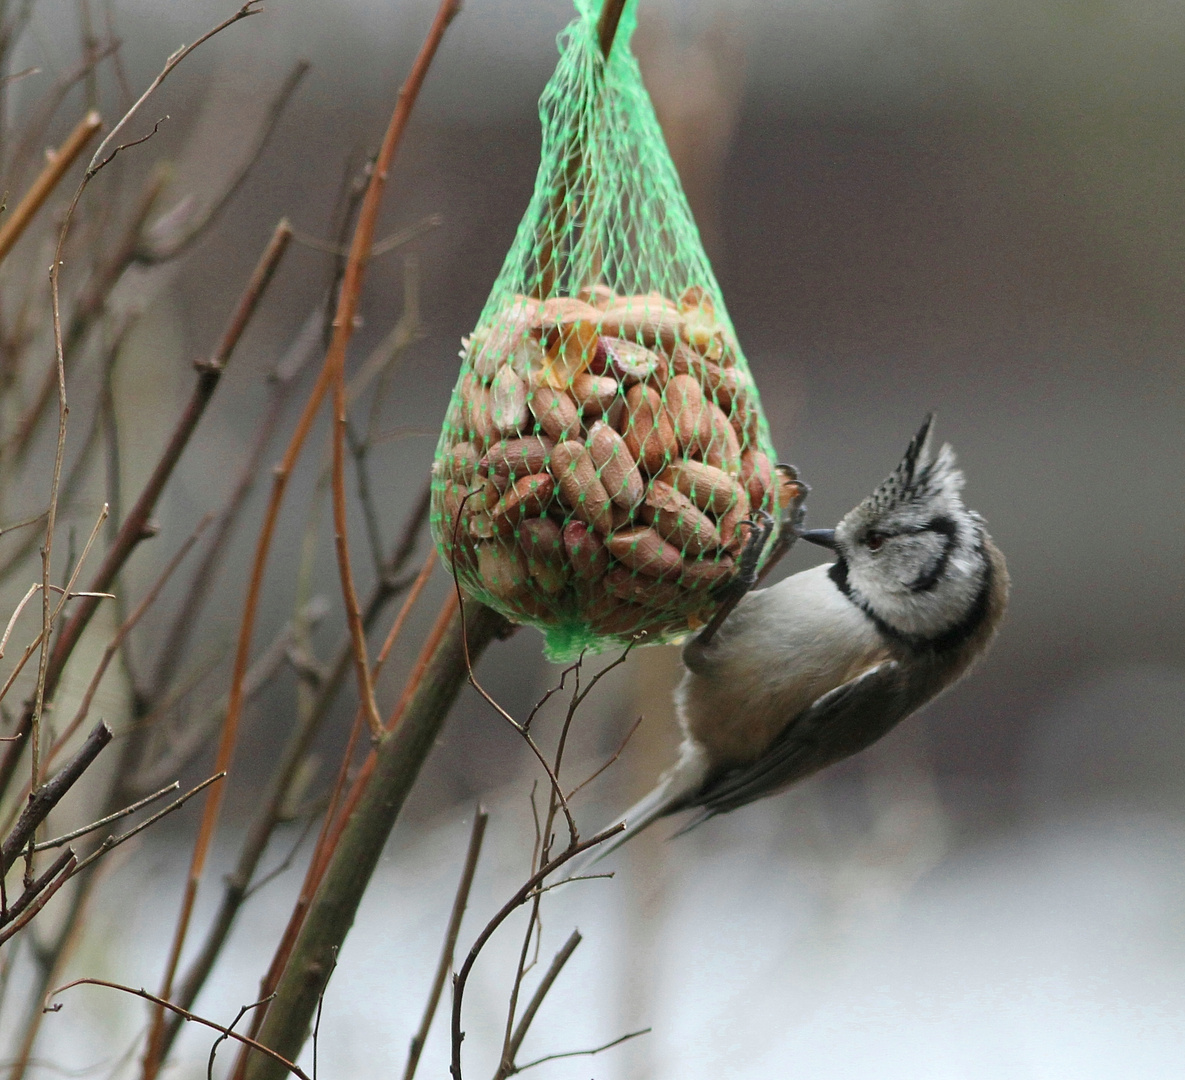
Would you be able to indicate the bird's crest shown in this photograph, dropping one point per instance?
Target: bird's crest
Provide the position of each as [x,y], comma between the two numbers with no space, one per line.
[921,476]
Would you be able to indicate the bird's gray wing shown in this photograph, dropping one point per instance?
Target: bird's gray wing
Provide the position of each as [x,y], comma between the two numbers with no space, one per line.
[840,723]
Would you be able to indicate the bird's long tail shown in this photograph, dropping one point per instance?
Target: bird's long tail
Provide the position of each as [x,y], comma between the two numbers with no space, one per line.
[675,791]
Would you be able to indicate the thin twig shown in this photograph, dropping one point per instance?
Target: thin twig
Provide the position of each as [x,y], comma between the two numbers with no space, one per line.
[584,1053]
[526,735]
[460,901]
[612,758]
[67,593]
[524,893]
[185,1014]
[41,892]
[98,160]
[58,841]
[35,889]
[243,1010]
[49,794]
[121,634]
[541,991]
[114,841]
[16,614]
[23,524]
[381,247]
[55,168]
[154,250]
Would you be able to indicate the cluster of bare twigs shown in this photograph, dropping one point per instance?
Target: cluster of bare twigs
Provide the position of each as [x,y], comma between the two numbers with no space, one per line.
[70,328]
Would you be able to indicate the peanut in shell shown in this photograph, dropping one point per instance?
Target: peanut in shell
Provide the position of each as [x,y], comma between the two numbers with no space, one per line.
[594,394]
[730,524]
[555,411]
[586,551]
[756,474]
[644,322]
[628,585]
[517,457]
[616,467]
[678,520]
[685,405]
[647,429]
[503,569]
[460,463]
[580,490]
[508,401]
[708,487]
[528,498]
[721,449]
[542,543]
[644,550]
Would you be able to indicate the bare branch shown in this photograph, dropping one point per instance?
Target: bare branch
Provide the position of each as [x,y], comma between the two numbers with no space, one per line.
[114,841]
[98,160]
[525,892]
[480,819]
[55,168]
[49,794]
[58,841]
[584,1053]
[38,893]
[541,991]
[191,1017]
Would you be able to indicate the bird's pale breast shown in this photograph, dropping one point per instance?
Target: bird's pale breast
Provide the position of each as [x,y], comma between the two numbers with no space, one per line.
[781,650]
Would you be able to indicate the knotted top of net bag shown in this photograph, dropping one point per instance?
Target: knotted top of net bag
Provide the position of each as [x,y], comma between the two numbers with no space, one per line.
[605,444]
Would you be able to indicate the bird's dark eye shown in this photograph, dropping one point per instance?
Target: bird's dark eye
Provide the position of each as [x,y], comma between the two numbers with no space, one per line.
[874,541]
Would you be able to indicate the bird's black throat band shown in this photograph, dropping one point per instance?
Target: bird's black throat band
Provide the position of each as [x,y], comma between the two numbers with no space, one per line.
[949,639]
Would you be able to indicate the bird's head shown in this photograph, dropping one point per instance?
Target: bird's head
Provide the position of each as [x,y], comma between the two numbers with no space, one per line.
[911,553]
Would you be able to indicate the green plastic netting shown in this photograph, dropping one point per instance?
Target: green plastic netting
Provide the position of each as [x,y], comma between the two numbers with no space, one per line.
[605,441]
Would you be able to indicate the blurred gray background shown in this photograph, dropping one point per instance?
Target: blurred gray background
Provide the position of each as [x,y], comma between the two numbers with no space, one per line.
[970,207]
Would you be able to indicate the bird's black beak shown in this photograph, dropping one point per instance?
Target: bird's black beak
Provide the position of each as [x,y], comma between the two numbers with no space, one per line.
[822,537]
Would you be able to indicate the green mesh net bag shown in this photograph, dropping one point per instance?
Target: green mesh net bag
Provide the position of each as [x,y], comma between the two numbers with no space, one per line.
[605,443]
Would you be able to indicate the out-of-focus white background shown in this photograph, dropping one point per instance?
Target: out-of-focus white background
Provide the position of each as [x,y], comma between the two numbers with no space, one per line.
[973,207]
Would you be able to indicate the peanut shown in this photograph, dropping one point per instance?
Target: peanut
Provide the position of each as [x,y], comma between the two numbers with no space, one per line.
[517,457]
[684,402]
[647,429]
[542,543]
[460,463]
[586,551]
[594,394]
[641,320]
[489,347]
[706,486]
[508,401]
[555,411]
[644,591]
[503,569]
[528,498]
[580,490]
[722,448]
[600,296]
[629,361]
[729,524]
[642,549]
[704,573]
[756,474]
[476,411]
[676,518]
[616,468]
